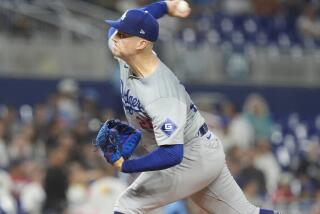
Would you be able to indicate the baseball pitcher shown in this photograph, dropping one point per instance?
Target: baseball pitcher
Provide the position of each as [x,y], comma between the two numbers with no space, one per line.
[184,158]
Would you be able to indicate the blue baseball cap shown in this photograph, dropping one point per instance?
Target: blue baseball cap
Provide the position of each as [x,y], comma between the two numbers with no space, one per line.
[137,22]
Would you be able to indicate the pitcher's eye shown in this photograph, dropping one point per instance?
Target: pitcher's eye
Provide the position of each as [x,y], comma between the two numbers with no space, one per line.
[123,35]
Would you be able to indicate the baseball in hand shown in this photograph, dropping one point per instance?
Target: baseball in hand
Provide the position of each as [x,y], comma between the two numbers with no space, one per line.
[182,6]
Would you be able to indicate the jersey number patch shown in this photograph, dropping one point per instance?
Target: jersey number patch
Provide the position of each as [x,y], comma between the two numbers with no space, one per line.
[145,123]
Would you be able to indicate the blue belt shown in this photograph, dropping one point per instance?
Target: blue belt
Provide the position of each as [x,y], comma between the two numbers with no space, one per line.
[203,130]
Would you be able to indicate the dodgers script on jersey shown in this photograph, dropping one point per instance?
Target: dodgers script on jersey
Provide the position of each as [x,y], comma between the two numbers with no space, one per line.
[162,109]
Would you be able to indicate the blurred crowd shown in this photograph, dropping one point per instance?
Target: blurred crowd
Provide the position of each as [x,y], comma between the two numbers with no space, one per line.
[47,159]
[275,161]
[49,165]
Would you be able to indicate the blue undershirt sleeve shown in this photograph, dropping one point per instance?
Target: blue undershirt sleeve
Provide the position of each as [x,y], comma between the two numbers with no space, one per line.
[157,9]
[162,158]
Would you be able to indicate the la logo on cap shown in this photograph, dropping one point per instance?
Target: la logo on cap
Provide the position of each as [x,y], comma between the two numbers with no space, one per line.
[142,32]
[124,15]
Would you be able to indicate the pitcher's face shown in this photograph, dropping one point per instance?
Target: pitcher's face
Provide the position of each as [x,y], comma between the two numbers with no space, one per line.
[124,45]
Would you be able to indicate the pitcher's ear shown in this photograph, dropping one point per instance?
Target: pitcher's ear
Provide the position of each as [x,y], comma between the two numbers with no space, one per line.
[142,44]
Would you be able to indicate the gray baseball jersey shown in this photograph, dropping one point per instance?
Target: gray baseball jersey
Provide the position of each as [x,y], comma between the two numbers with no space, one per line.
[160,106]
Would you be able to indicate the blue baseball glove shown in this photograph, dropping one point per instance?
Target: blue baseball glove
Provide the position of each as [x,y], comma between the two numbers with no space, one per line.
[129,137]
[107,141]
[116,139]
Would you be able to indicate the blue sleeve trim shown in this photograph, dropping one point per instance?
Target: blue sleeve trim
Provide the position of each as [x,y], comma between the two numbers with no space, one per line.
[157,9]
[162,158]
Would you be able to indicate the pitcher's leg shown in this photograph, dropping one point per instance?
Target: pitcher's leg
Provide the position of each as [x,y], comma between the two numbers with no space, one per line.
[147,192]
[224,196]
[201,165]
[156,189]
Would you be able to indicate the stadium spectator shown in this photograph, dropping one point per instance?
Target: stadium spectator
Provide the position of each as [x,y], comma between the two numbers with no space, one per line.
[308,170]
[90,103]
[267,163]
[20,147]
[67,103]
[56,182]
[256,111]
[55,128]
[250,179]
[7,201]
[234,158]
[309,23]
[237,7]
[239,131]
[283,193]
[32,195]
